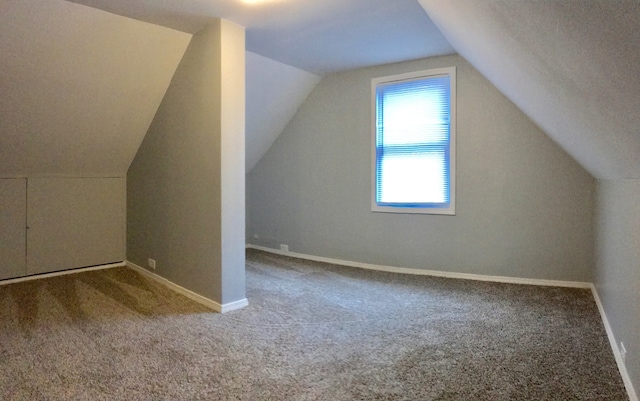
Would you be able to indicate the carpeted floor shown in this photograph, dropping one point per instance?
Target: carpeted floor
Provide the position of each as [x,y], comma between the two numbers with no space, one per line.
[311,331]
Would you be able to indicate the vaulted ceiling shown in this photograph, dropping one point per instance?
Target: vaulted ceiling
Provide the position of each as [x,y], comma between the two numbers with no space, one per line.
[318,36]
[81,83]
[79,87]
[573,66]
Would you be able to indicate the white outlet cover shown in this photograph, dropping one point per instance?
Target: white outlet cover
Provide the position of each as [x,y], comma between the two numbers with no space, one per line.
[284,248]
[151,263]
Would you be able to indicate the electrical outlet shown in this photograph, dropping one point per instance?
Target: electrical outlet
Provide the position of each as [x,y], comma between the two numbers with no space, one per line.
[151,263]
[256,236]
[284,248]
[623,352]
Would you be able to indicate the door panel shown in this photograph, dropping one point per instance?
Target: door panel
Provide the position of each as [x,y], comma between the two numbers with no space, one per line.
[75,222]
[13,219]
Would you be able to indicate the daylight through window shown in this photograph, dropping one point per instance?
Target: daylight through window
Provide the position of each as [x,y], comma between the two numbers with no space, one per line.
[414,142]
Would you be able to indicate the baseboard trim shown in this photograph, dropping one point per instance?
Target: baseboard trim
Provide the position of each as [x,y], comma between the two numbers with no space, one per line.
[209,303]
[60,273]
[231,306]
[434,273]
[614,347]
[499,279]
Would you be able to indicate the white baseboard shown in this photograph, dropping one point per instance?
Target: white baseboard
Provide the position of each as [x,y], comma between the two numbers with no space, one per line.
[614,346]
[435,273]
[231,306]
[500,279]
[190,294]
[60,273]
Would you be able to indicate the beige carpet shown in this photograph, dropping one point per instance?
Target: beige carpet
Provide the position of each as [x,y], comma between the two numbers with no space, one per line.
[311,332]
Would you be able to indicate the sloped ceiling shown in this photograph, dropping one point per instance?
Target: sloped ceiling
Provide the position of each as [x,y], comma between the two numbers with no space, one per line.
[572,65]
[318,36]
[79,87]
[81,83]
[274,93]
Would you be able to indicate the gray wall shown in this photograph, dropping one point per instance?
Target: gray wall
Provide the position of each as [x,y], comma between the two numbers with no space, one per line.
[524,207]
[617,271]
[175,196]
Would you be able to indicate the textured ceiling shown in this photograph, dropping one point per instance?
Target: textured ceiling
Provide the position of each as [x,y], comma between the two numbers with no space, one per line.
[573,66]
[318,36]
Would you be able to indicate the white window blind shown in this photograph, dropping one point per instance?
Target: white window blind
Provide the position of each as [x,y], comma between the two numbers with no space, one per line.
[413,167]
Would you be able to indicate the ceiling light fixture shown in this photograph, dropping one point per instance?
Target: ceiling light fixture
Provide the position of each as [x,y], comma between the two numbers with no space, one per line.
[259,2]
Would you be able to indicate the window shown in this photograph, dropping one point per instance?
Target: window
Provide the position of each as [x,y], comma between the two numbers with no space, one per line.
[414,142]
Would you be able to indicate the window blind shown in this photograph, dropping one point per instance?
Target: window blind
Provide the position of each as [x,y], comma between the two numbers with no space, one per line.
[413,123]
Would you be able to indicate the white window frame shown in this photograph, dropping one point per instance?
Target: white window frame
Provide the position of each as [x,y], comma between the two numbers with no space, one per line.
[375,82]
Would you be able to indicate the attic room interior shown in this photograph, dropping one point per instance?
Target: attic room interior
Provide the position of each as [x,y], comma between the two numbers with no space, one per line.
[190,202]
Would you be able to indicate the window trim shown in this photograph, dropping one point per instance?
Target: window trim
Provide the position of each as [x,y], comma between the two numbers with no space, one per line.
[375,82]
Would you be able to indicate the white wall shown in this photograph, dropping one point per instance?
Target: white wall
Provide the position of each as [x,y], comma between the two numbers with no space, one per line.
[617,269]
[524,207]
